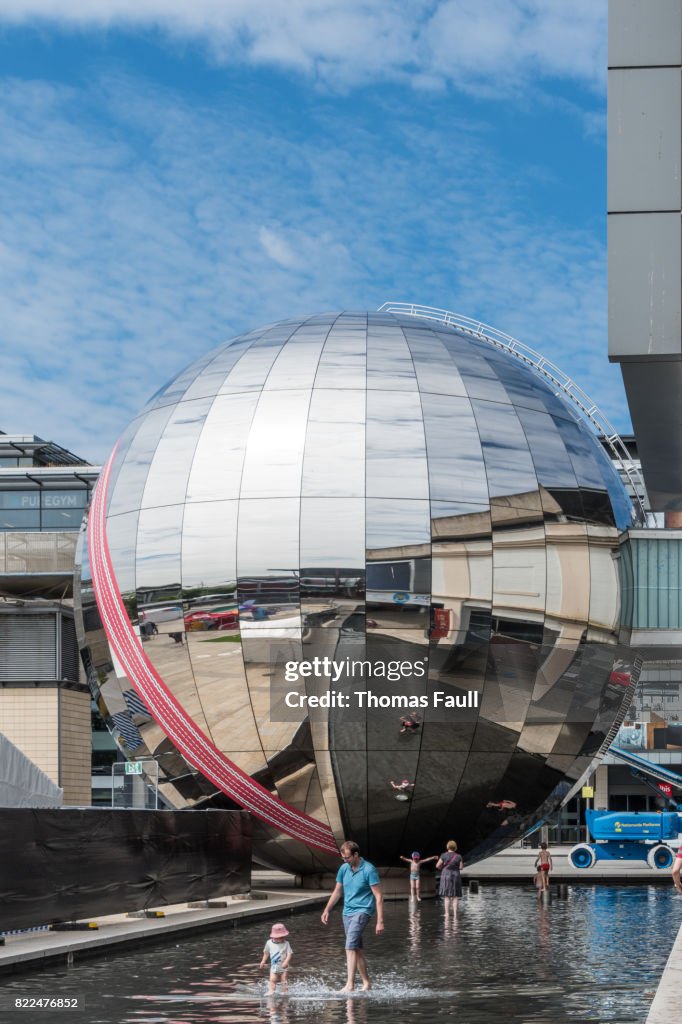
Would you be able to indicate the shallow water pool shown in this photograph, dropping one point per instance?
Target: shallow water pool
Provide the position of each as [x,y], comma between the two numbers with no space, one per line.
[595,955]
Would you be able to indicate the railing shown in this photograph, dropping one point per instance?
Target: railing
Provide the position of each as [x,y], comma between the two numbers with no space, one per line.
[549,372]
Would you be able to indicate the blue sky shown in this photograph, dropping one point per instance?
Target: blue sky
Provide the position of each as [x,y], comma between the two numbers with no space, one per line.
[172,174]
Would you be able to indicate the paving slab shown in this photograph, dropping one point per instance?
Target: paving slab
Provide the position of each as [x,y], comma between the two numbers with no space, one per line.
[34,949]
[517,864]
[665,1008]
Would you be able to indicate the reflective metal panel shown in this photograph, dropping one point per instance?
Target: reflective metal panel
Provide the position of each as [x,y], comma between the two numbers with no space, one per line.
[508,463]
[250,372]
[296,364]
[343,362]
[389,360]
[436,371]
[396,447]
[274,451]
[334,455]
[133,471]
[457,471]
[218,461]
[172,460]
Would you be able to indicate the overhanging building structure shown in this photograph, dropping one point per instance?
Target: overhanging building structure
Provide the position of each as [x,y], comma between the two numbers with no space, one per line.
[645,338]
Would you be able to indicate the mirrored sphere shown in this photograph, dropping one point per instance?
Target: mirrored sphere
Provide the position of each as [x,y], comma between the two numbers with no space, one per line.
[359,573]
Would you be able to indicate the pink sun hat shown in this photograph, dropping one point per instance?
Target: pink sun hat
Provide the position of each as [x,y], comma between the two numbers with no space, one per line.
[279,931]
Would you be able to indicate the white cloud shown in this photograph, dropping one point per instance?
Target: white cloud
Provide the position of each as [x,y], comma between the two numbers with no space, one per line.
[277,248]
[139,228]
[493,47]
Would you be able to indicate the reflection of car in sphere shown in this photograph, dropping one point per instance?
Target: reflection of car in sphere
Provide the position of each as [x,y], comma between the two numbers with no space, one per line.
[167,613]
[195,621]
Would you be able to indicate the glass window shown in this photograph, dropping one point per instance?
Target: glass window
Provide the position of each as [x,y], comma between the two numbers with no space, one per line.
[637,802]
[65,499]
[62,519]
[24,520]
[20,499]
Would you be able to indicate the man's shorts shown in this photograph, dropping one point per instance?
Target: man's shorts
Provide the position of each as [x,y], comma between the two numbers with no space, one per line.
[354,925]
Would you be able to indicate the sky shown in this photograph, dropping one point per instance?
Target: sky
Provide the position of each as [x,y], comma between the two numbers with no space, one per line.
[173,174]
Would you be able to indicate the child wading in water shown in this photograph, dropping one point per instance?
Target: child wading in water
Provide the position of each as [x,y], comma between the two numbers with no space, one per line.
[278,950]
[415,862]
[543,863]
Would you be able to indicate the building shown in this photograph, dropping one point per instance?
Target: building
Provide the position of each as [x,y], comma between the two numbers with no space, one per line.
[645,338]
[645,232]
[44,702]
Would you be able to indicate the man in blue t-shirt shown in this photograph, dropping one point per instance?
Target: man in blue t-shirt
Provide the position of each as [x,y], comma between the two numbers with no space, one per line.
[358,882]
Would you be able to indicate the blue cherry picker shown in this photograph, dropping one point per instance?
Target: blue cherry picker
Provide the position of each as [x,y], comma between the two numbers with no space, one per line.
[635,835]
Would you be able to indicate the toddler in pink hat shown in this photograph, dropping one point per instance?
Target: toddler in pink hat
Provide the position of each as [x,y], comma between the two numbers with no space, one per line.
[279,952]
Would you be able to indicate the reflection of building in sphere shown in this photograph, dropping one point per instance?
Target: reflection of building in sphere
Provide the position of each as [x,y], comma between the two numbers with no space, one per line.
[371,488]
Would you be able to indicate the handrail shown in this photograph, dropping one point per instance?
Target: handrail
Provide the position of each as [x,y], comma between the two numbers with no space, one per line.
[542,367]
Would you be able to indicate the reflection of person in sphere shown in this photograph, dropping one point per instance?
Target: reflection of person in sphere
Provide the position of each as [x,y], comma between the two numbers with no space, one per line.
[450,864]
[410,723]
[401,789]
[503,805]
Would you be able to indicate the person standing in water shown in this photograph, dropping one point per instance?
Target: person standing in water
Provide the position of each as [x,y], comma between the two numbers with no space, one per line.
[543,863]
[415,862]
[358,882]
[450,864]
[278,951]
